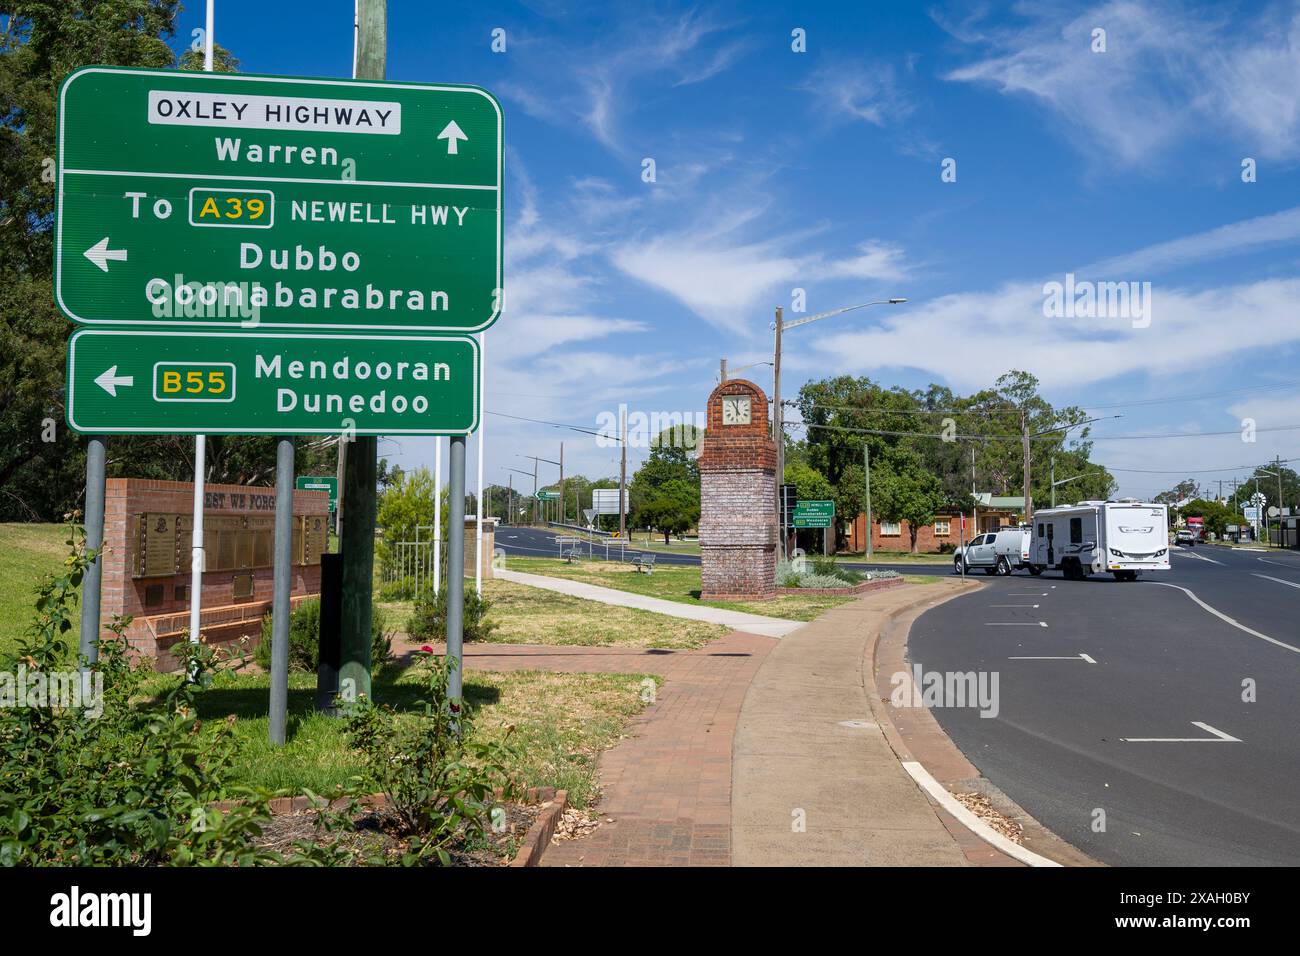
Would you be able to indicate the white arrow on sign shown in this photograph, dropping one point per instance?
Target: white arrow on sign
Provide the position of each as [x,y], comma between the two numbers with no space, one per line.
[109,380]
[452,133]
[100,254]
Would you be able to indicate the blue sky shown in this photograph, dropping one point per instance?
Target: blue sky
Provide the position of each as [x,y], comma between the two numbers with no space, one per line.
[778,170]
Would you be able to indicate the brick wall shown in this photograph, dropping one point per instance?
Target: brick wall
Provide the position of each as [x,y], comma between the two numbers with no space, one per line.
[224,618]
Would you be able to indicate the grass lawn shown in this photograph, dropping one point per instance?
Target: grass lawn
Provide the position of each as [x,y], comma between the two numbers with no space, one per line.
[563,722]
[525,615]
[27,552]
[673,583]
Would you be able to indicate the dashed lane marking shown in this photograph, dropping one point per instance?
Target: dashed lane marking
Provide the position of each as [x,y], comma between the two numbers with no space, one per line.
[1219,737]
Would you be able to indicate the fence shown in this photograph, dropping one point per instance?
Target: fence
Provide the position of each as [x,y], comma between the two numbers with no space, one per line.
[408,568]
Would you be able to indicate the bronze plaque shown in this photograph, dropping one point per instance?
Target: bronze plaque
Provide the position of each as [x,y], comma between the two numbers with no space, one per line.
[242,587]
[315,538]
[158,545]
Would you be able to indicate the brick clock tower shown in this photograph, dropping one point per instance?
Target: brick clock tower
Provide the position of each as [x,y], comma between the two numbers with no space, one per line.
[737,495]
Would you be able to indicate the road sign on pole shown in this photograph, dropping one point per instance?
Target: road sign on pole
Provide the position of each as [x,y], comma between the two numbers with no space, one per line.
[236,201]
[154,382]
[813,514]
[548,496]
[328,483]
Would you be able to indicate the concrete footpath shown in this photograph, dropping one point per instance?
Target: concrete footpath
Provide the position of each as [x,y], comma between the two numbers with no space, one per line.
[736,620]
[815,781]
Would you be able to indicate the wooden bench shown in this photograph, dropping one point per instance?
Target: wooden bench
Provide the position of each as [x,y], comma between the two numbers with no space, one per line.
[645,561]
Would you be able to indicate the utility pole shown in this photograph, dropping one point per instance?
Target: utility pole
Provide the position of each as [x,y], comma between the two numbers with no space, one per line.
[564,502]
[866,472]
[1052,479]
[1024,439]
[357,542]
[622,477]
[778,431]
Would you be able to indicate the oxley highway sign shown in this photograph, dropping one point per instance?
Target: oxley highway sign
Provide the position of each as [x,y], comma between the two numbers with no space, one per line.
[136,381]
[210,200]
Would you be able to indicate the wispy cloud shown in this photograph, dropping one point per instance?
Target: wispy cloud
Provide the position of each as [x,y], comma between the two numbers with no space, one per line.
[1170,70]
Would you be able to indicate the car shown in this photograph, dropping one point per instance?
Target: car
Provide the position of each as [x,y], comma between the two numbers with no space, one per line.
[1185,536]
[996,552]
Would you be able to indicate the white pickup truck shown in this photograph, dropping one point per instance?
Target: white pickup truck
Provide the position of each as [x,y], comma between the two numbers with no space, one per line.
[997,552]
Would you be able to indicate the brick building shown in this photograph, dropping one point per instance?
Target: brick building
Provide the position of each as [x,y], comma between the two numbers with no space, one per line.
[992,512]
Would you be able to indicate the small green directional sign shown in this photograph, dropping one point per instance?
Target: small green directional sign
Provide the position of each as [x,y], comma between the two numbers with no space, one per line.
[211,200]
[328,483]
[548,496]
[135,381]
[813,514]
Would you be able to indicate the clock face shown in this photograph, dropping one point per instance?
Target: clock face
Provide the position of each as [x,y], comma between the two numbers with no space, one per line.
[735,410]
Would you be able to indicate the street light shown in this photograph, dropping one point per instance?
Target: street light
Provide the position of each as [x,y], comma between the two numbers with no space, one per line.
[778,430]
[1063,481]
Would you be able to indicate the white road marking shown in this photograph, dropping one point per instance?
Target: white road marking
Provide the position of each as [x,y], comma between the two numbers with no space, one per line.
[1281,564]
[1013,605]
[1268,577]
[1219,737]
[1026,594]
[1072,657]
[971,822]
[1015,624]
[1198,557]
[1223,617]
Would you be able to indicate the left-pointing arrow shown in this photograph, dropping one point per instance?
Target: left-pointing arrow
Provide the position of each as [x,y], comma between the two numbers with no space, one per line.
[100,254]
[109,381]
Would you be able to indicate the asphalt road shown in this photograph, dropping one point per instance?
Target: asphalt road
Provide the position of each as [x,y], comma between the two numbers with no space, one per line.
[1067,740]
[539,543]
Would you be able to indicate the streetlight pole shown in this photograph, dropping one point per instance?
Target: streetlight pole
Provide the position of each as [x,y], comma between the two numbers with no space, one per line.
[866,472]
[778,429]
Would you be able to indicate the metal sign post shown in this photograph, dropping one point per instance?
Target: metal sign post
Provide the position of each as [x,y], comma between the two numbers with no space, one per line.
[283,586]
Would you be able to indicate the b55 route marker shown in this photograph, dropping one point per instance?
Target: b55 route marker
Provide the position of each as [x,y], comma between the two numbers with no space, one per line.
[136,381]
[211,200]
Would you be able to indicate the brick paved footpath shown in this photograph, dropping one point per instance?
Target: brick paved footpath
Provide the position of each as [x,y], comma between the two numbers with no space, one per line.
[667,786]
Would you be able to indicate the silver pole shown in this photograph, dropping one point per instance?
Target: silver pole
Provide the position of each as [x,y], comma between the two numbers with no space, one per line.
[478,501]
[207,39]
[197,554]
[778,431]
[283,585]
[437,515]
[456,565]
[866,471]
[95,458]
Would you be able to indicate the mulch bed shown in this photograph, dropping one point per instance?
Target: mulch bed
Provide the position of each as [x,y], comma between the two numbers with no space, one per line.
[376,832]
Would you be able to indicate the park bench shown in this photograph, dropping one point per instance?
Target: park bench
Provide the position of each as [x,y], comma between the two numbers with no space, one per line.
[645,561]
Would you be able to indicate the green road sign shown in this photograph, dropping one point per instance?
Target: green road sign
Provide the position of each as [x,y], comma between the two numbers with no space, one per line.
[211,200]
[813,514]
[123,381]
[548,496]
[328,483]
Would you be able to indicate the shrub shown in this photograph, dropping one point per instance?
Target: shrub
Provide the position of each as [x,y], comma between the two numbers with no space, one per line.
[439,785]
[304,639]
[116,783]
[428,622]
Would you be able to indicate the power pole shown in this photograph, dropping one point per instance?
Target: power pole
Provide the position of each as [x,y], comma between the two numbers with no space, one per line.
[1024,438]
[357,541]
[866,472]
[622,478]
[778,431]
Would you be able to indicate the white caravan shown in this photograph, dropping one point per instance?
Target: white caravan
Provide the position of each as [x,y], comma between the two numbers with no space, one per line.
[1092,537]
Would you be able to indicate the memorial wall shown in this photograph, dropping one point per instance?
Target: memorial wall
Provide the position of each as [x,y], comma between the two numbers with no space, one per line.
[148,534]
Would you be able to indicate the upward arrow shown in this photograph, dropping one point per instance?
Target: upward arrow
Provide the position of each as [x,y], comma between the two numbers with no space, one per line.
[452,133]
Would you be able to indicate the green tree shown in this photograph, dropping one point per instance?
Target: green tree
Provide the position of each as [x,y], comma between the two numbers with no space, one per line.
[671,508]
[904,490]
[405,506]
[671,460]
